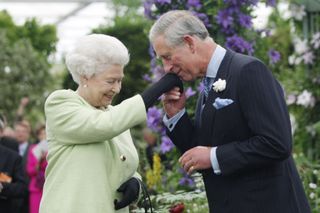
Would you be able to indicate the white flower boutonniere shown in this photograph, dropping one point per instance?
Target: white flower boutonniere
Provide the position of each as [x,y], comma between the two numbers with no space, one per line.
[219,85]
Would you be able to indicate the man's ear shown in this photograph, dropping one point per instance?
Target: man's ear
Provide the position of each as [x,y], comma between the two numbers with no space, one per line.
[190,42]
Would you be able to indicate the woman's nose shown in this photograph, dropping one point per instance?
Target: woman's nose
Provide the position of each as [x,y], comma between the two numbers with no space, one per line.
[116,87]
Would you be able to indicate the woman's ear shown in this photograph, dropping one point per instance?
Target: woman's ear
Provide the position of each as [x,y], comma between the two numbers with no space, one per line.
[83,80]
[190,42]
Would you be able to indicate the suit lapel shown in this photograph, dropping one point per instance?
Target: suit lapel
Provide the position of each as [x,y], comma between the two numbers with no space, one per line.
[208,113]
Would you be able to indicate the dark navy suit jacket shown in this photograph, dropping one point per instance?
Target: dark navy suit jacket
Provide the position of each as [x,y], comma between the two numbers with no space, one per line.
[10,163]
[253,136]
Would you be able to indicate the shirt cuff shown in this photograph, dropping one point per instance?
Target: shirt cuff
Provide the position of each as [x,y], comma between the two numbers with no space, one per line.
[171,123]
[214,161]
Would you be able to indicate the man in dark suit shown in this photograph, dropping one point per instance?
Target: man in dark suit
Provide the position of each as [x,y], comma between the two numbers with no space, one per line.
[241,137]
[12,181]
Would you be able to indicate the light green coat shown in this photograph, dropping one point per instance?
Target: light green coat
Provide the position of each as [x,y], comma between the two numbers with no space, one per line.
[85,144]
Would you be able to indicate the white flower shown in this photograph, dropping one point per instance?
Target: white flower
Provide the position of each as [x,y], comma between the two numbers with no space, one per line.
[292,59]
[312,185]
[7,69]
[291,99]
[316,40]
[294,123]
[300,46]
[306,99]
[298,12]
[308,57]
[219,85]
[312,195]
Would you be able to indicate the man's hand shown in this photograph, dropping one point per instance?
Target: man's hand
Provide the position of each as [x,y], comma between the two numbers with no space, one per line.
[173,101]
[197,158]
[24,101]
[130,190]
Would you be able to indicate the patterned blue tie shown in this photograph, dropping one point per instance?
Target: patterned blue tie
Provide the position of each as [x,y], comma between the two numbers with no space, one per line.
[207,85]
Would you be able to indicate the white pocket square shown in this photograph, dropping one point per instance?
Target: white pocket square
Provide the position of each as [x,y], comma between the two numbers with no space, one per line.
[220,102]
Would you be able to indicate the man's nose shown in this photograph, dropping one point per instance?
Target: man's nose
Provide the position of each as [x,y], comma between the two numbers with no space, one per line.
[167,66]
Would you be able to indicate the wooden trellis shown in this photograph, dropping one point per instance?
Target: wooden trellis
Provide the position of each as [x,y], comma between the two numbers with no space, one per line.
[311,22]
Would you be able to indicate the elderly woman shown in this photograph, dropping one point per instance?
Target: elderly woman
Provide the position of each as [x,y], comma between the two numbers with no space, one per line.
[92,160]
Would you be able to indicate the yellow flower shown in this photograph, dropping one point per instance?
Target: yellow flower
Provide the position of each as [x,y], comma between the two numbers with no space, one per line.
[154,175]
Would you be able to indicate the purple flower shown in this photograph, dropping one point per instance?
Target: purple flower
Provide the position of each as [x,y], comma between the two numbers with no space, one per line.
[271,3]
[224,18]
[162,2]
[233,2]
[186,181]
[147,9]
[200,88]
[204,18]
[238,44]
[157,72]
[151,51]
[154,119]
[274,56]
[147,77]
[189,92]
[253,2]
[166,144]
[245,20]
[194,3]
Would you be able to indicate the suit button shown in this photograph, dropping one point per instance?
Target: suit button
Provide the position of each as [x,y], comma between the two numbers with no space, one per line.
[123,157]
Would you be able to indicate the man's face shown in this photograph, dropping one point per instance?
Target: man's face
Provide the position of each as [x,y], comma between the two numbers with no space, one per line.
[179,60]
[22,133]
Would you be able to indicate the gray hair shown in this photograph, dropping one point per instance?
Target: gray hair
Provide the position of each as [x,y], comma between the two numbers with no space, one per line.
[93,54]
[175,24]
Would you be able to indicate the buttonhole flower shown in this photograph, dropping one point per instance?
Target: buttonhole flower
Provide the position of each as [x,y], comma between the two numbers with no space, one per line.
[219,85]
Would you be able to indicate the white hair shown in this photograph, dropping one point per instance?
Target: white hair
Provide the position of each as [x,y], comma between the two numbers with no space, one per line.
[175,24]
[93,54]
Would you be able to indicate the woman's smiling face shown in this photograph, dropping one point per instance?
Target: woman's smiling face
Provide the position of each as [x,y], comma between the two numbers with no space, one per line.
[102,87]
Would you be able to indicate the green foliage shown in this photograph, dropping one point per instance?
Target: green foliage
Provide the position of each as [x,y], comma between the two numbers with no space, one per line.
[309,172]
[43,38]
[24,66]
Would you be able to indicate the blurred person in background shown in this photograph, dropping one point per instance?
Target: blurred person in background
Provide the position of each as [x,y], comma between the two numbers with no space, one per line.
[22,134]
[92,161]
[7,141]
[12,182]
[21,109]
[36,165]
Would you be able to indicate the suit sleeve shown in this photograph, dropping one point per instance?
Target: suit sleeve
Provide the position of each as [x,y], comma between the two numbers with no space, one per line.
[262,104]
[18,186]
[69,121]
[183,134]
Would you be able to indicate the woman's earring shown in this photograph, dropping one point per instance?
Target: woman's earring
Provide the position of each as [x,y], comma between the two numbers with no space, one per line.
[85,86]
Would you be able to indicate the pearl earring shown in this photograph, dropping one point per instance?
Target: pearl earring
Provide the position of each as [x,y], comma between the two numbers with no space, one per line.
[85,86]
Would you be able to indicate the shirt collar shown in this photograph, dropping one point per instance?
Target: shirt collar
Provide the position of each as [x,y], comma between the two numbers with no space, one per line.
[22,148]
[215,61]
